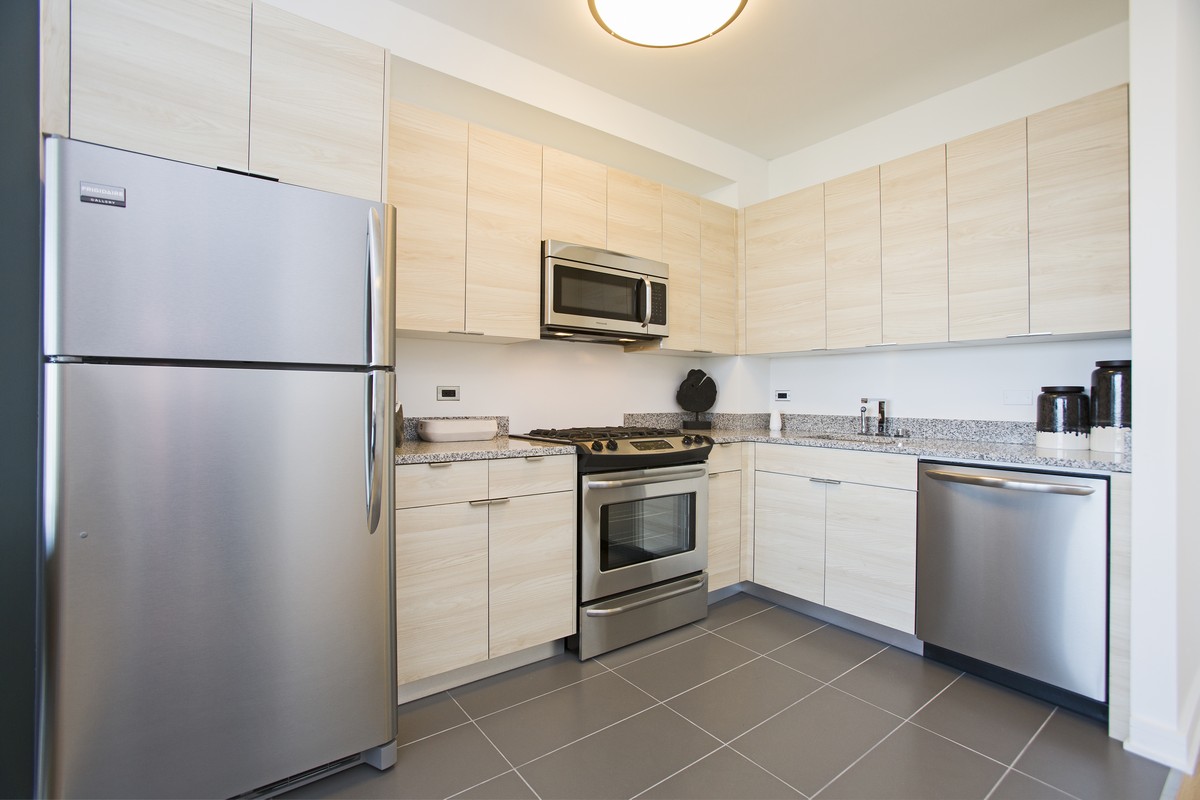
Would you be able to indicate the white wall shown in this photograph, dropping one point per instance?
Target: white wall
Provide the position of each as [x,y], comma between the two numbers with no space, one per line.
[957,383]
[1165,150]
[537,384]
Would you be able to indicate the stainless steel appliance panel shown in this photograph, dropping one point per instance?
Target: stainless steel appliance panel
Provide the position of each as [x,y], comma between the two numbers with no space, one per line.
[1012,570]
[641,492]
[628,618]
[155,259]
[220,608]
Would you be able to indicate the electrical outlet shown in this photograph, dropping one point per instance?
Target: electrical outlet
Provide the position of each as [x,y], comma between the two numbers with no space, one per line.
[783,395]
[448,393]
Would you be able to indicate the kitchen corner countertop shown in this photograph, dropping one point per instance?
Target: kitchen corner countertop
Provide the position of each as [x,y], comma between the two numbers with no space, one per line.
[420,452]
[951,449]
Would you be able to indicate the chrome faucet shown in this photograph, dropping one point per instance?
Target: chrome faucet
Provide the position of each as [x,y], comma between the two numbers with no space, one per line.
[862,422]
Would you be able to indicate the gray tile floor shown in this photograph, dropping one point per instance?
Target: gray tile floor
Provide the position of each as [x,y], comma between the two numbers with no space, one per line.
[755,701]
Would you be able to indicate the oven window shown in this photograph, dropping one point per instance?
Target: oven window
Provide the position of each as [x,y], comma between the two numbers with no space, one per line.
[589,293]
[644,530]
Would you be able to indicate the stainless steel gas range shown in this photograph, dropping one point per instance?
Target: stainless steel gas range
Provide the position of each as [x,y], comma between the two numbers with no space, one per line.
[643,532]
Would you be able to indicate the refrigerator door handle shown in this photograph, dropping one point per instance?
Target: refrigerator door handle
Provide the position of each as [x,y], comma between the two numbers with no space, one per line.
[380,304]
[377,440]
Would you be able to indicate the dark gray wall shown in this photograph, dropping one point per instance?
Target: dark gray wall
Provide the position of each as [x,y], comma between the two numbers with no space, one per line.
[20,256]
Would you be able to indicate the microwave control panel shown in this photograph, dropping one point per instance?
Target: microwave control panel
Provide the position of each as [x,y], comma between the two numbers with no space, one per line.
[658,303]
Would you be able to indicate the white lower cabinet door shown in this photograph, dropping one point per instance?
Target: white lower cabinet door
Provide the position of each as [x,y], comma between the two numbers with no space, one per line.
[789,535]
[441,589]
[871,553]
[531,571]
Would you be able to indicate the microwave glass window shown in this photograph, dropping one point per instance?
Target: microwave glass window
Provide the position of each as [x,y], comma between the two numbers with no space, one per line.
[596,294]
[642,530]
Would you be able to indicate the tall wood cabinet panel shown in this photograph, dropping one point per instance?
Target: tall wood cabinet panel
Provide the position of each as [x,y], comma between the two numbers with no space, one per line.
[785,273]
[504,203]
[871,553]
[427,183]
[167,79]
[634,215]
[531,571]
[316,105]
[54,65]
[789,535]
[718,278]
[724,516]
[912,225]
[681,243]
[853,277]
[574,199]
[987,228]
[441,588]
[1079,215]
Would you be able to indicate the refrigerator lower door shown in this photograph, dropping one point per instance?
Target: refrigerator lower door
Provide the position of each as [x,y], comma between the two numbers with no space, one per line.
[219,615]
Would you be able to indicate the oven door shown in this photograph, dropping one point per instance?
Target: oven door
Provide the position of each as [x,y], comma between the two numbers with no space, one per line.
[640,527]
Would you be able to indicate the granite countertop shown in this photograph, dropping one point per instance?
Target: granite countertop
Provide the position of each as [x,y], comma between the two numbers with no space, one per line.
[953,449]
[419,452]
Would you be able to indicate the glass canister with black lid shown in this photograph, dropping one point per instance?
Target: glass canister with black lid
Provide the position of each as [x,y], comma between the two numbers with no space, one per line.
[1112,407]
[1063,418]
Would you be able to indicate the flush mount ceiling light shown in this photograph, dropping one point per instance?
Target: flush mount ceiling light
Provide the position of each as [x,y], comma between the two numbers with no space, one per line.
[664,23]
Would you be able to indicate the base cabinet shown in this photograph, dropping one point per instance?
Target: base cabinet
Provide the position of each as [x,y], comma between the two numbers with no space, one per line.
[838,528]
[724,516]
[485,560]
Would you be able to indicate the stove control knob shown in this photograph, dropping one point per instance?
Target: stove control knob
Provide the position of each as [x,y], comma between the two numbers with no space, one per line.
[687,439]
[597,446]
[611,444]
[706,440]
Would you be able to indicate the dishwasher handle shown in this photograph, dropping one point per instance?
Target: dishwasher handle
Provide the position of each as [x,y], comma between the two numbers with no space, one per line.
[1045,487]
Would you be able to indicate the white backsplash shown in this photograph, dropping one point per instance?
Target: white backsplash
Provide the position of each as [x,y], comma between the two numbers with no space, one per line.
[559,384]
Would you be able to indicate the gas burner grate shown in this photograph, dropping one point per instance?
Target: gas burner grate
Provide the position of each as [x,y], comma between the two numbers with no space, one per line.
[613,432]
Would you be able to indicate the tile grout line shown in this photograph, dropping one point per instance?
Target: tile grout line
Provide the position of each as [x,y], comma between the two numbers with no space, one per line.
[872,748]
[507,760]
[1013,767]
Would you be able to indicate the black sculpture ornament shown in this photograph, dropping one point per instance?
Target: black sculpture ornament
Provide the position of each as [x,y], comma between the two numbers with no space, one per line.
[697,394]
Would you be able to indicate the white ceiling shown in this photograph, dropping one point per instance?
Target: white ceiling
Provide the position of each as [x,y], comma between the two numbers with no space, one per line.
[787,73]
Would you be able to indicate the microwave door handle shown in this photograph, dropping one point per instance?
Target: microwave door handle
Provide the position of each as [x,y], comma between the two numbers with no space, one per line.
[647,299]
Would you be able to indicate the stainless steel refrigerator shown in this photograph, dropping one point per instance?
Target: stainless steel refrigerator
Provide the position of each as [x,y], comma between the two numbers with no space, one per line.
[217,530]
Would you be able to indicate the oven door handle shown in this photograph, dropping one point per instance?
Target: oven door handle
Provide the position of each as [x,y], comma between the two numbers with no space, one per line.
[691,586]
[662,476]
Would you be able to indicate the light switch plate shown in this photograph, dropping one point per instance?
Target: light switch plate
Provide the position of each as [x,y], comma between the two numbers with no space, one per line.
[783,395]
[448,393]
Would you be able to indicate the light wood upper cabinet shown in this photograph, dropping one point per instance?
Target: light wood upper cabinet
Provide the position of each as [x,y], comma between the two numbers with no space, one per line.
[316,105]
[1079,215]
[504,202]
[718,278]
[987,226]
[574,199]
[785,273]
[167,79]
[427,183]
[635,222]
[912,224]
[853,288]
[682,252]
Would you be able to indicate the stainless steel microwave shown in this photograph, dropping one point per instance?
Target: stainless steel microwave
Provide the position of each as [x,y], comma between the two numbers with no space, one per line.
[594,295]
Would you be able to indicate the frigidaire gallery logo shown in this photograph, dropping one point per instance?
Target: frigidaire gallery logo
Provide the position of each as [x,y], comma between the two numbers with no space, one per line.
[99,193]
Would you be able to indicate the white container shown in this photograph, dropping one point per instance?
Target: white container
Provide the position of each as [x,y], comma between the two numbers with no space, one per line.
[776,423]
[456,430]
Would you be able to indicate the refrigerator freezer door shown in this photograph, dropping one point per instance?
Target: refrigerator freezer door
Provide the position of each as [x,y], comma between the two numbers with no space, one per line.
[220,616]
[150,258]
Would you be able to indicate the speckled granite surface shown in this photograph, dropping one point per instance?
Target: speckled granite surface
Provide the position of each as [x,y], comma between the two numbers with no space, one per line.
[954,440]
[418,452]
[410,426]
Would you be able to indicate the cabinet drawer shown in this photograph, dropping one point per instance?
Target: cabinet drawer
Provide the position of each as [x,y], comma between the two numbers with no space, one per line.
[852,466]
[725,458]
[512,477]
[440,482]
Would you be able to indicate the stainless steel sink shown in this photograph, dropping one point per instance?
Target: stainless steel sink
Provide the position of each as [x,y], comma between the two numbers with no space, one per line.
[861,438]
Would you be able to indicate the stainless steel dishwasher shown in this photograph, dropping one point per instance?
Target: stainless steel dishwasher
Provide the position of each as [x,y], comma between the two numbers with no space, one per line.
[1012,578]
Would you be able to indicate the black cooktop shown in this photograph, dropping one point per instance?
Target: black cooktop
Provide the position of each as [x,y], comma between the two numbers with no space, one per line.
[608,432]
[623,447]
